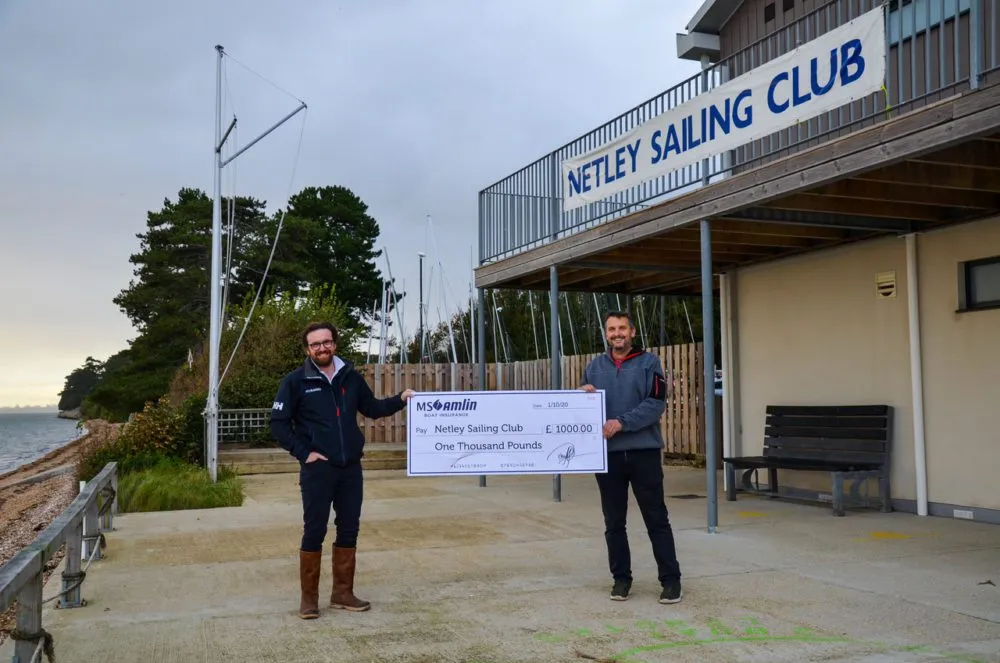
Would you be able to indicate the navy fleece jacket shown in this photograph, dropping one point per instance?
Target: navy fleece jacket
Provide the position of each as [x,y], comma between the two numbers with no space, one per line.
[313,413]
[635,393]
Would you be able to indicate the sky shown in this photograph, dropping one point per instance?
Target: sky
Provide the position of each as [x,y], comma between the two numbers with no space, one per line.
[107,109]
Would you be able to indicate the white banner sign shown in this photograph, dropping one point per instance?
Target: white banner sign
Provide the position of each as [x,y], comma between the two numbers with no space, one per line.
[505,432]
[822,75]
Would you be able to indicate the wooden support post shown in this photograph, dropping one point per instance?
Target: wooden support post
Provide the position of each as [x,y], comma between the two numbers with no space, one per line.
[72,574]
[114,499]
[91,531]
[29,619]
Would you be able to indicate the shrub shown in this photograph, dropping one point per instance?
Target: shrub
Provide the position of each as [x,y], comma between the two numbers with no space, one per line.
[271,347]
[190,441]
[157,433]
[96,448]
[172,484]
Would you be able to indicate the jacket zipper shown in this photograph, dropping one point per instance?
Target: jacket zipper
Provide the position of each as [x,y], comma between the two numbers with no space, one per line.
[340,428]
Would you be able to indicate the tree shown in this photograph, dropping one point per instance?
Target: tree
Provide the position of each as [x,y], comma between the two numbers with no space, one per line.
[328,238]
[79,384]
[168,298]
[271,347]
[327,241]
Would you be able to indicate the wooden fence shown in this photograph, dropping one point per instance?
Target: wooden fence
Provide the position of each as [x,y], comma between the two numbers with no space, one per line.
[683,424]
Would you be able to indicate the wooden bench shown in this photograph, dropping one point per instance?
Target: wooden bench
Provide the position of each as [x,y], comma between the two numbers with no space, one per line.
[851,442]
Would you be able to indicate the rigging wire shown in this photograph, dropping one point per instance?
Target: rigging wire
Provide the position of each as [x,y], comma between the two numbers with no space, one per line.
[264,78]
[274,245]
[230,231]
[445,281]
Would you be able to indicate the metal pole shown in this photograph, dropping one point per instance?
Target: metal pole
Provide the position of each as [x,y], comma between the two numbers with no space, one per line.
[975,42]
[556,358]
[706,64]
[215,277]
[421,326]
[302,106]
[472,307]
[481,333]
[724,355]
[708,333]
[916,372]
[534,328]
[663,321]
[597,310]
[212,408]
[403,355]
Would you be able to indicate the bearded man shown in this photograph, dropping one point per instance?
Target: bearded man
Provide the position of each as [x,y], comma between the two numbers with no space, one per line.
[636,393]
[315,418]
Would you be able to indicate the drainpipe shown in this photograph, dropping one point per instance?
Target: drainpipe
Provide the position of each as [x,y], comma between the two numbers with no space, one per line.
[916,373]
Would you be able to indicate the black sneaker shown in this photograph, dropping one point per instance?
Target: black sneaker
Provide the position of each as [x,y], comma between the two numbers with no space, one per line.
[621,589]
[672,592]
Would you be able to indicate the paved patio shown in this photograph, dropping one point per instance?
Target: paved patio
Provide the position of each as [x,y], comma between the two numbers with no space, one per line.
[457,573]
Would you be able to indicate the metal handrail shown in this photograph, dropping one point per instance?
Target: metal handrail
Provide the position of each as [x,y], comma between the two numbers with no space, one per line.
[81,528]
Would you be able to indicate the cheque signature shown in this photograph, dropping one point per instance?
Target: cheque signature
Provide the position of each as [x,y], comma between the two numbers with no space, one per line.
[565,456]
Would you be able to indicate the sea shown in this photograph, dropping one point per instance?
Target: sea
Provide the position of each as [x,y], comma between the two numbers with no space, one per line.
[27,436]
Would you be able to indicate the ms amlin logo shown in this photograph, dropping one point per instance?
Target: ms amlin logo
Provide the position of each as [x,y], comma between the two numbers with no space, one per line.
[463,405]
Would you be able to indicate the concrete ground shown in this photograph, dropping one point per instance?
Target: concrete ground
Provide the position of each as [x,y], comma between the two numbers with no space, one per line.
[460,573]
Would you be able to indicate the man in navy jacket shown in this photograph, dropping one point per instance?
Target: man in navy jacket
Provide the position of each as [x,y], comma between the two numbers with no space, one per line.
[635,399]
[315,418]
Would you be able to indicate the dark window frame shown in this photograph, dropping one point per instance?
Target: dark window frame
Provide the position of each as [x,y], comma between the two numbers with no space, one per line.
[967,301]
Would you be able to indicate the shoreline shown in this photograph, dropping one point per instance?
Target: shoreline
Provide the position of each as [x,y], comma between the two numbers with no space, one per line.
[32,496]
[46,458]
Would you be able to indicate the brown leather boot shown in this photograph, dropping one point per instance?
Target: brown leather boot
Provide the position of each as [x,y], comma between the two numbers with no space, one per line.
[309,569]
[343,581]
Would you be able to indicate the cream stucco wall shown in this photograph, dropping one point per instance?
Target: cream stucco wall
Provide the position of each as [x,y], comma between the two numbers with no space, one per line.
[811,330]
[961,354]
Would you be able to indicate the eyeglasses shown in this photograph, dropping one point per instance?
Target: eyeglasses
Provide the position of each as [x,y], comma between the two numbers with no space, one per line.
[321,344]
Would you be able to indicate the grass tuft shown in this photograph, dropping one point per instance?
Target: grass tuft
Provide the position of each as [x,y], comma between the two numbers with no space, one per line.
[173,485]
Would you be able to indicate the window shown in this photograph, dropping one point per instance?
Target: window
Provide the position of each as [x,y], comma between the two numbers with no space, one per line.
[769,12]
[979,284]
[788,5]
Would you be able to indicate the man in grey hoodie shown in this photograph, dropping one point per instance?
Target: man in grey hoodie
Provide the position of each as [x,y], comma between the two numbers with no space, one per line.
[635,398]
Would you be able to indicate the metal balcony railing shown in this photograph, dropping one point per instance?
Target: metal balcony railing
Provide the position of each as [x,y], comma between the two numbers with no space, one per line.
[934,49]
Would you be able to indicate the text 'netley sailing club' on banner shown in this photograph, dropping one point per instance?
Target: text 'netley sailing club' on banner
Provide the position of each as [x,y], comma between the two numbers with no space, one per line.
[822,75]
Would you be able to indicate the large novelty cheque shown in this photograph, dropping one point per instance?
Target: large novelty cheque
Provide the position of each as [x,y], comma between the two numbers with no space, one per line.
[505,432]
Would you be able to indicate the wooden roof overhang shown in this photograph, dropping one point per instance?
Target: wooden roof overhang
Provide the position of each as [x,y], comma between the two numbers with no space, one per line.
[935,166]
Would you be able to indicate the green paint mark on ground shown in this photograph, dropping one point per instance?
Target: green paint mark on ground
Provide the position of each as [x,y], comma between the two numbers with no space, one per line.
[671,634]
[549,637]
[718,629]
[645,649]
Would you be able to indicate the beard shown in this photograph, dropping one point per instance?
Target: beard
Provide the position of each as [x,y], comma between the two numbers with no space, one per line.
[323,359]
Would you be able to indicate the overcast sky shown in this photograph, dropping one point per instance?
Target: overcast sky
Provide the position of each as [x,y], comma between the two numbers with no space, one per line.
[106,109]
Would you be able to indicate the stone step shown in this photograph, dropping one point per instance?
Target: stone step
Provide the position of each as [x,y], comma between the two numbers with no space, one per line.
[270,460]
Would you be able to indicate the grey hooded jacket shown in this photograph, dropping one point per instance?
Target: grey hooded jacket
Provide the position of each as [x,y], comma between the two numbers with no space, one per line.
[635,393]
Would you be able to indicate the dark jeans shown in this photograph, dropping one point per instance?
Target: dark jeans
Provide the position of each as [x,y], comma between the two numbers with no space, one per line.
[323,485]
[642,469]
